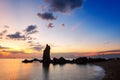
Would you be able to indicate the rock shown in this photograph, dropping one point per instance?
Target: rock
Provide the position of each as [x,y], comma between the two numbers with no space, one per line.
[61,60]
[27,61]
[46,55]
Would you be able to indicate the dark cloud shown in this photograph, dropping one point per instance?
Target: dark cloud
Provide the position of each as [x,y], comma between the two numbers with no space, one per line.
[16,35]
[63,25]
[31,29]
[50,25]
[33,32]
[19,36]
[63,6]
[47,16]
[25,35]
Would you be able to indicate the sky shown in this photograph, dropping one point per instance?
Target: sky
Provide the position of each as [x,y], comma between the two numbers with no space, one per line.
[71,27]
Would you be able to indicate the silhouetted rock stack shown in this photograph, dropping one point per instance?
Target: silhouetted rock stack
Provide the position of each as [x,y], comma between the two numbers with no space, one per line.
[46,55]
[47,60]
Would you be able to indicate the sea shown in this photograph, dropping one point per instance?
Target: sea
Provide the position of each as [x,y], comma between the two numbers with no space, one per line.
[14,69]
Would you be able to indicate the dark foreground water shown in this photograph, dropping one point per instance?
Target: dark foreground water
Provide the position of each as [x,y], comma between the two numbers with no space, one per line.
[13,69]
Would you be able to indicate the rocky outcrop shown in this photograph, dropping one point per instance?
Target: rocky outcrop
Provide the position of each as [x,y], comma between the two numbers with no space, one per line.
[30,61]
[46,55]
[47,60]
[61,60]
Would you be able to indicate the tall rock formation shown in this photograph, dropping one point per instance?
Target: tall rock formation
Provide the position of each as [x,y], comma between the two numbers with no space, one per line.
[46,55]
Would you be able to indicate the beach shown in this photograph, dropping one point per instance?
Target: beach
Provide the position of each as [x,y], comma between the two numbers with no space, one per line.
[112,69]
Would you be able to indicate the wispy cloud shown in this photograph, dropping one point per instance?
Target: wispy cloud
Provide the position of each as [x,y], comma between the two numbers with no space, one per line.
[13,52]
[6,26]
[110,51]
[1,47]
[3,32]
[35,46]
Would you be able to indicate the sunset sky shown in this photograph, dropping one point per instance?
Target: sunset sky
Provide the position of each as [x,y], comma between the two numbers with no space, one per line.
[70,27]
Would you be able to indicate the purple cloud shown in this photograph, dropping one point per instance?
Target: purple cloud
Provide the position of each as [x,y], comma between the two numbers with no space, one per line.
[16,35]
[47,16]
[63,6]
[31,29]
[50,25]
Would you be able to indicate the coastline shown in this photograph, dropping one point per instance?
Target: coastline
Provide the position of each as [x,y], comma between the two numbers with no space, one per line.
[112,69]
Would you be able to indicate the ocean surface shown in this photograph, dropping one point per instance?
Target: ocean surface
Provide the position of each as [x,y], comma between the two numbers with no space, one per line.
[14,69]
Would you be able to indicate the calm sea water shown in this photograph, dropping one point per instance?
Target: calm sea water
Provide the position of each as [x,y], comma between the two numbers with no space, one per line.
[14,69]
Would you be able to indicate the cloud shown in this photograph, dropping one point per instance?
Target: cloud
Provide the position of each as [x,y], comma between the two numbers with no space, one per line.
[50,25]
[1,47]
[37,48]
[25,35]
[16,35]
[33,32]
[19,36]
[17,52]
[30,42]
[64,6]
[110,51]
[6,26]
[3,32]
[47,16]
[31,29]
[13,52]
[63,25]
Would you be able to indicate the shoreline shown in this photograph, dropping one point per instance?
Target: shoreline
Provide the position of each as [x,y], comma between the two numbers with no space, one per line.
[112,69]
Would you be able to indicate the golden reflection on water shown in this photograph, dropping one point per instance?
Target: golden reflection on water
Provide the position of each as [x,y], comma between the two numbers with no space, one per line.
[14,69]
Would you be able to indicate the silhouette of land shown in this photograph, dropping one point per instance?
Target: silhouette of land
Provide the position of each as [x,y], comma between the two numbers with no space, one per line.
[111,66]
[62,60]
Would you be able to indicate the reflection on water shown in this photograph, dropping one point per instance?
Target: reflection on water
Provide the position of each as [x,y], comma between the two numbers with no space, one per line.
[45,71]
[13,69]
